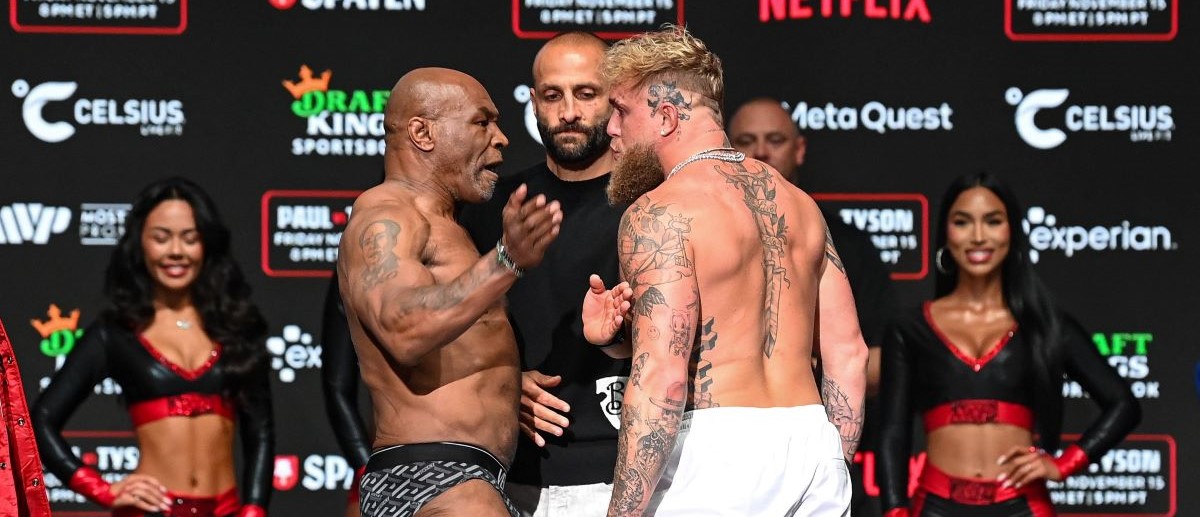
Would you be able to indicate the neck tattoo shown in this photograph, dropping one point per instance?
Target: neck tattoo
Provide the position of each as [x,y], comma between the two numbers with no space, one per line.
[725,154]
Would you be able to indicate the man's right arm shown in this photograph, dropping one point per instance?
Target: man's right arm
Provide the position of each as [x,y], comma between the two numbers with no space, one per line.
[842,350]
[395,297]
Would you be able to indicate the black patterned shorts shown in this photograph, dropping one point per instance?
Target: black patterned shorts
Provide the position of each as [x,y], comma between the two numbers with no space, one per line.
[400,479]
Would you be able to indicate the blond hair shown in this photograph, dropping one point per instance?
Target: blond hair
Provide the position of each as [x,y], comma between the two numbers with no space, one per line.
[670,54]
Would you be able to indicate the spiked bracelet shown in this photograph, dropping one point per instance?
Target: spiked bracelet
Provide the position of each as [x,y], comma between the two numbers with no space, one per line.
[506,261]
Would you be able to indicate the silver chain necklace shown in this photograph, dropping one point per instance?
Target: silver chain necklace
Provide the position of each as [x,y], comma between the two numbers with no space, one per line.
[725,154]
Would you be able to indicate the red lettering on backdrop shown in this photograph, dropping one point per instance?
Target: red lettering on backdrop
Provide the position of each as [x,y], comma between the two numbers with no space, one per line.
[870,483]
[777,10]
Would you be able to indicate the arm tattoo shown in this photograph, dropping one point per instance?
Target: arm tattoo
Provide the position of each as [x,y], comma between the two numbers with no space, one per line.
[667,92]
[699,367]
[635,373]
[652,250]
[653,436]
[758,192]
[378,242]
[831,252]
[846,419]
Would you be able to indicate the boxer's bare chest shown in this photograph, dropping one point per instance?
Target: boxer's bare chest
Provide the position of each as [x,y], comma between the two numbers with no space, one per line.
[449,250]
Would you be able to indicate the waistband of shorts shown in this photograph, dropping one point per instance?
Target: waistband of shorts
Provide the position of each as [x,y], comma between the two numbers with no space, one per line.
[974,491]
[815,412]
[385,458]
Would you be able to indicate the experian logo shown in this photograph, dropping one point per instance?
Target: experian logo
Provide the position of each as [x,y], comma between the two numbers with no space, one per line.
[1045,235]
[1145,123]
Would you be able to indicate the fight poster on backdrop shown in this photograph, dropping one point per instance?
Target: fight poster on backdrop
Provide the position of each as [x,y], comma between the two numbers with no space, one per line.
[277,109]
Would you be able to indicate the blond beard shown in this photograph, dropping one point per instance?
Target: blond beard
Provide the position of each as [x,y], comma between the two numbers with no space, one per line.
[637,172]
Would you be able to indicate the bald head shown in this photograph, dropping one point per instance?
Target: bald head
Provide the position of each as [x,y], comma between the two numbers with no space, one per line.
[762,128]
[570,99]
[428,93]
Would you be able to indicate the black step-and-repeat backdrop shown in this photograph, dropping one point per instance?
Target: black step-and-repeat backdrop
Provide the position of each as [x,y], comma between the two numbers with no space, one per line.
[275,106]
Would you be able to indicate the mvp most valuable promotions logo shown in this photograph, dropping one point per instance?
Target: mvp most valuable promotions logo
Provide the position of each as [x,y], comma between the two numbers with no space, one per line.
[337,122]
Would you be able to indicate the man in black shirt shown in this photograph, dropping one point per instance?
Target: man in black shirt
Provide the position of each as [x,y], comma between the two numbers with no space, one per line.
[763,130]
[571,391]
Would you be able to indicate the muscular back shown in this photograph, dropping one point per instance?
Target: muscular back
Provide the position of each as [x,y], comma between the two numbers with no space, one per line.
[428,325]
[756,250]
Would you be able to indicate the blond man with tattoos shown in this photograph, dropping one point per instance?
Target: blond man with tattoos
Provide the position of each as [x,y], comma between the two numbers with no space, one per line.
[426,312]
[735,284]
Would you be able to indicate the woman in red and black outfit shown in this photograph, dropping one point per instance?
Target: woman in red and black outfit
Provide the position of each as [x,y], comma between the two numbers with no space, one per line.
[184,341]
[983,365]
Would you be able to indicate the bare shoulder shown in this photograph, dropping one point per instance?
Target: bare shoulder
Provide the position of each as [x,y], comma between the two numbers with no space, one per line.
[383,204]
[383,220]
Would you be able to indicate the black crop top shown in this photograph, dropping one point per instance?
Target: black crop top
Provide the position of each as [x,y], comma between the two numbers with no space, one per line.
[108,350]
[921,371]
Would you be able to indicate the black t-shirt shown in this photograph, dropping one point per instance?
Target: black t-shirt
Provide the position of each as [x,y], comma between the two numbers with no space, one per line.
[544,308]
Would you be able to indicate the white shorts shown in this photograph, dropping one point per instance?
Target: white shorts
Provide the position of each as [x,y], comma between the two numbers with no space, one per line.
[560,501]
[755,461]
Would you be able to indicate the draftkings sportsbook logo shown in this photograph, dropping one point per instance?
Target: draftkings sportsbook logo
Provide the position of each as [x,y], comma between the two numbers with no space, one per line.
[1143,122]
[1129,355]
[59,336]
[43,115]
[337,122]
[1046,234]
[32,223]
[293,350]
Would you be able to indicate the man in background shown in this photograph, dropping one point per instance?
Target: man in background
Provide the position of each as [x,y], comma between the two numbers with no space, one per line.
[571,391]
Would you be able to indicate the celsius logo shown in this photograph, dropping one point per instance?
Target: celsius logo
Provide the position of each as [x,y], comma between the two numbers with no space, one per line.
[32,222]
[352,5]
[524,95]
[353,118]
[1046,235]
[292,351]
[1145,123]
[154,117]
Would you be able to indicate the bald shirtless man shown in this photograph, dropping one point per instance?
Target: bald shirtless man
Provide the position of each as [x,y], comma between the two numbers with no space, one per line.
[426,311]
[735,282]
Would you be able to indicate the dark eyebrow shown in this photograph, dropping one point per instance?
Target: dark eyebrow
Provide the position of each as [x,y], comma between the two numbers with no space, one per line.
[989,214]
[488,113]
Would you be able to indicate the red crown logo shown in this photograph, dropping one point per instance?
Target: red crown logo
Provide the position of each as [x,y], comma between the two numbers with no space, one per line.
[307,82]
[56,322]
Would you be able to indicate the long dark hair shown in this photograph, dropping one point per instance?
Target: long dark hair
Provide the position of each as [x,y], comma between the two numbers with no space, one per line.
[1038,319]
[220,292]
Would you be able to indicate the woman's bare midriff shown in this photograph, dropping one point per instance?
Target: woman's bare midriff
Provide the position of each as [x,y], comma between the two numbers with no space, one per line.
[189,455]
[971,450]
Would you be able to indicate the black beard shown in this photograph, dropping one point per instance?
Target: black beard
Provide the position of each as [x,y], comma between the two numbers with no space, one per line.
[637,172]
[592,147]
